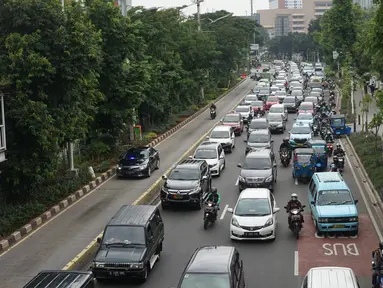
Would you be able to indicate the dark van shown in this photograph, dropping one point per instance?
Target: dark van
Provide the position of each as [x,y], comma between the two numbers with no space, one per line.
[214,266]
[62,279]
[131,243]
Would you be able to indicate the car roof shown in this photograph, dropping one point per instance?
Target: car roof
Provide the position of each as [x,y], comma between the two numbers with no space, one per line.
[232,114]
[255,193]
[261,131]
[139,148]
[304,150]
[317,141]
[307,103]
[331,277]
[278,105]
[208,144]
[222,128]
[252,95]
[243,106]
[259,120]
[330,181]
[132,215]
[211,259]
[301,124]
[259,153]
[190,163]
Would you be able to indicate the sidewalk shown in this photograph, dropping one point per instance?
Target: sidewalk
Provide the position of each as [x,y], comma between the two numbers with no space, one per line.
[358,95]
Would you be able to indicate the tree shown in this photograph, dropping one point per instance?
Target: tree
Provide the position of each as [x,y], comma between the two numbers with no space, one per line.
[376,122]
[49,75]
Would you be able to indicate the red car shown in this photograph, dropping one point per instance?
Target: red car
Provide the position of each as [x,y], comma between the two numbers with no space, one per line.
[306,107]
[233,120]
[271,100]
[258,105]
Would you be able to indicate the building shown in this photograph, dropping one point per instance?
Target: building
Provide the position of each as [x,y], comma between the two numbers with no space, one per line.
[282,25]
[320,7]
[365,4]
[285,4]
[255,17]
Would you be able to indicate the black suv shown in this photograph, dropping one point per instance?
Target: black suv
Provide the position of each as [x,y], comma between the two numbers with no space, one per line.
[187,183]
[138,162]
[214,264]
[131,243]
[259,170]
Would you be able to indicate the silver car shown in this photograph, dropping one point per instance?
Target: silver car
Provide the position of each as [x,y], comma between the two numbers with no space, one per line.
[276,123]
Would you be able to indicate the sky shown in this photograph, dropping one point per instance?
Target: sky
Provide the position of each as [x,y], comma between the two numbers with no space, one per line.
[238,7]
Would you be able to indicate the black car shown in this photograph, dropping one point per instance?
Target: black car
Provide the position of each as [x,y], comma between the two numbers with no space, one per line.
[291,104]
[259,170]
[62,279]
[214,266]
[187,183]
[138,162]
[131,244]
[259,139]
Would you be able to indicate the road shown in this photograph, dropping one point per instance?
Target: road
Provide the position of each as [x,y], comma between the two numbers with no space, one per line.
[372,109]
[266,264]
[61,239]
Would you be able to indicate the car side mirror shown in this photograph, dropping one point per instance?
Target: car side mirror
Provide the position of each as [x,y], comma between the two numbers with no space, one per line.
[204,178]
[164,177]
[276,209]
[239,165]
[356,201]
[99,240]
[245,140]
[221,157]
[207,137]
[312,202]
[230,210]
[190,157]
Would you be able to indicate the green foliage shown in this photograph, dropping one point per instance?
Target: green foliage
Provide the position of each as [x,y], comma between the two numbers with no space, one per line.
[346,89]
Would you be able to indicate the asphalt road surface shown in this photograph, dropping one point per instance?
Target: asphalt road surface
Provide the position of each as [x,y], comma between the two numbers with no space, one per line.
[266,264]
[61,239]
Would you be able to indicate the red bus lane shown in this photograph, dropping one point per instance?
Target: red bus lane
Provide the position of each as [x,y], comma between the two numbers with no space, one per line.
[353,252]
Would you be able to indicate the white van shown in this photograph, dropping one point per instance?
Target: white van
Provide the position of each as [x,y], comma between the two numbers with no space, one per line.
[224,135]
[281,109]
[330,277]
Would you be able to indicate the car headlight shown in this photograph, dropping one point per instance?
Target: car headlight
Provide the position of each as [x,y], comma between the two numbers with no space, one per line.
[98,265]
[119,167]
[234,222]
[143,166]
[269,179]
[280,125]
[137,265]
[354,219]
[242,179]
[195,190]
[322,220]
[269,222]
[228,143]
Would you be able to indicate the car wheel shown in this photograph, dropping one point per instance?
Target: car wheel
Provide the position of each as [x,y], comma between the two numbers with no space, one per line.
[145,274]
[219,172]
[224,164]
[164,205]
[158,163]
[149,173]
[319,233]
[230,150]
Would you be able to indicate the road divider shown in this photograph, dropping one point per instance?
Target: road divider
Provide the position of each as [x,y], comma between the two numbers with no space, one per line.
[73,198]
[146,198]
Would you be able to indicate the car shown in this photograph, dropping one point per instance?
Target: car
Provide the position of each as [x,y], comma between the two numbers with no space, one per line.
[254,215]
[62,279]
[271,100]
[130,245]
[138,162]
[245,111]
[325,277]
[305,118]
[320,90]
[291,104]
[259,170]
[274,89]
[306,107]
[311,99]
[316,94]
[189,182]
[250,98]
[315,82]
[234,120]
[276,122]
[257,88]
[281,109]
[258,124]
[280,85]
[263,94]
[258,105]
[281,95]
[300,135]
[280,77]
[259,139]
[214,266]
[295,84]
[223,135]
[298,94]
[213,154]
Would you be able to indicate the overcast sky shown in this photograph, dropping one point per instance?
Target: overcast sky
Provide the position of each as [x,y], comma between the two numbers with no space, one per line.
[238,7]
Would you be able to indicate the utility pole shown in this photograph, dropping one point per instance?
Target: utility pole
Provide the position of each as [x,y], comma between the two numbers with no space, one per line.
[198,2]
[63,4]
[251,8]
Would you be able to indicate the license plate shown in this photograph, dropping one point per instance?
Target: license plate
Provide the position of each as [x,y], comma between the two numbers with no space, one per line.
[250,234]
[337,133]
[177,196]
[338,226]
[116,273]
[299,144]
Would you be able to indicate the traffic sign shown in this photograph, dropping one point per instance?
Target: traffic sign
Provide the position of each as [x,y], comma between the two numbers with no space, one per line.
[335,55]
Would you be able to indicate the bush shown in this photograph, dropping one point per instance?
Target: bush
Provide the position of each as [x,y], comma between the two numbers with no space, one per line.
[370,156]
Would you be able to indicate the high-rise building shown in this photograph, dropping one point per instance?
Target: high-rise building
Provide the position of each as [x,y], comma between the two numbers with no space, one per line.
[282,25]
[285,4]
[365,4]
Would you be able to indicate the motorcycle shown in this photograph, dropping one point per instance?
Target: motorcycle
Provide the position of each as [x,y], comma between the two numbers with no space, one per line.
[329,138]
[341,163]
[285,157]
[330,149]
[213,114]
[315,130]
[210,215]
[296,220]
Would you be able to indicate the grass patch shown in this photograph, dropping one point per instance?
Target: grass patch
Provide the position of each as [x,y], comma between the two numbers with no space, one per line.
[369,150]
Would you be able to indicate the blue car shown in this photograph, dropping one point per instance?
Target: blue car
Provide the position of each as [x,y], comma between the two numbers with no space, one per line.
[332,204]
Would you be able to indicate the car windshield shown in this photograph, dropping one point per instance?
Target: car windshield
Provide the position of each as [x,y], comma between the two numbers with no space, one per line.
[334,197]
[184,174]
[301,130]
[205,280]
[319,149]
[303,158]
[264,91]
[289,100]
[311,99]
[253,207]
[220,134]
[276,110]
[274,118]
[242,109]
[272,99]
[305,107]
[251,98]
[205,154]
[258,138]
[257,163]
[231,119]
[297,93]
[337,121]
[305,117]
[136,154]
[124,235]
[280,93]
[257,104]
[258,125]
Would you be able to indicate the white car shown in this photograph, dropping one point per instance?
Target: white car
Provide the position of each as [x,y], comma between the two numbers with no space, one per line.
[254,215]
[223,135]
[213,154]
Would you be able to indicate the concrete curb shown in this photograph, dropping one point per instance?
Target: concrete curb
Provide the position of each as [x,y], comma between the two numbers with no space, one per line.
[71,199]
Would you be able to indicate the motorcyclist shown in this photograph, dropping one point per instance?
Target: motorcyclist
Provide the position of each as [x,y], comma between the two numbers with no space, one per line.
[213,107]
[338,151]
[329,138]
[294,203]
[333,167]
[286,145]
[377,263]
[214,197]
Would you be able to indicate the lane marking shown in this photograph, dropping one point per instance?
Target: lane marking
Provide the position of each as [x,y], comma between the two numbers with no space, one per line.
[369,211]
[296,263]
[224,212]
[237,182]
[296,182]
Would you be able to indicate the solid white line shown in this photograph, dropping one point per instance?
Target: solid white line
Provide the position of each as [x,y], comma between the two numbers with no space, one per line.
[369,211]
[224,212]
[236,182]
[296,182]
[296,263]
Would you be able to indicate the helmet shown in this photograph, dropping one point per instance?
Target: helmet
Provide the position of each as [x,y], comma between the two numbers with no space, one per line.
[332,165]
[214,190]
[335,158]
[294,197]
[286,140]
[381,245]
[338,146]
